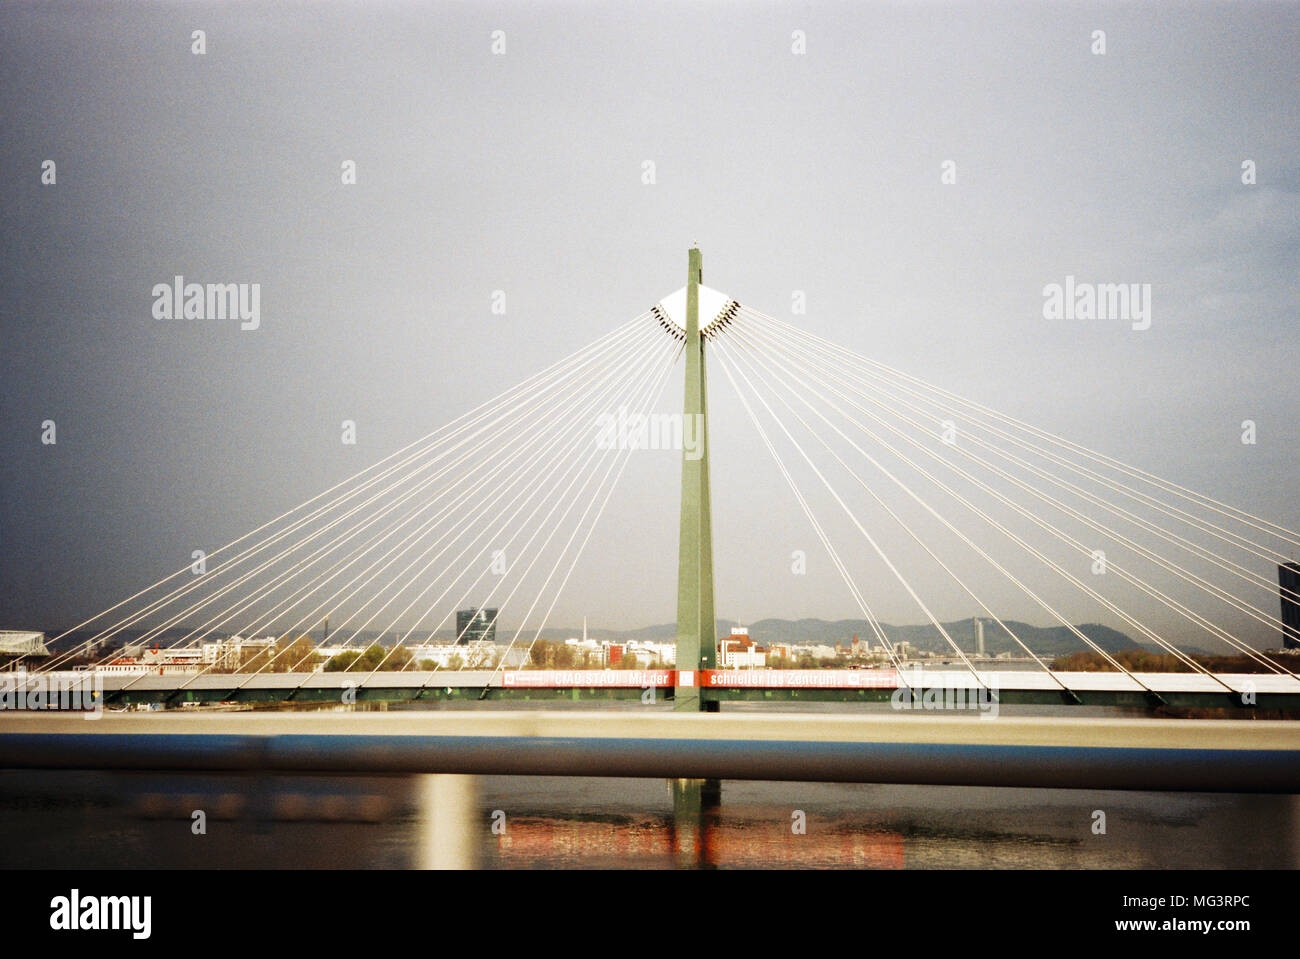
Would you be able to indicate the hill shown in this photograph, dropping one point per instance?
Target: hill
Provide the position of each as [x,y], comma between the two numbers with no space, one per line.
[1043,640]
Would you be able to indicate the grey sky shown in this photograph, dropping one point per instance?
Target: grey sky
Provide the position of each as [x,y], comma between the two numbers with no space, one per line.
[522,172]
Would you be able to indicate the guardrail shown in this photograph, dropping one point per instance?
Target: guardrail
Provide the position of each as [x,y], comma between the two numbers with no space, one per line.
[1016,753]
[1009,687]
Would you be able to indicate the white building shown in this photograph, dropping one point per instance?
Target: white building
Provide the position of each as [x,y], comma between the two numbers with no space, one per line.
[744,659]
[180,660]
[651,654]
[17,646]
[480,654]
[739,651]
[816,651]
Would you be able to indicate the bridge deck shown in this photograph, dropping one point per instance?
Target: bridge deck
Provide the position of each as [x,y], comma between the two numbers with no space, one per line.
[1008,687]
[1199,755]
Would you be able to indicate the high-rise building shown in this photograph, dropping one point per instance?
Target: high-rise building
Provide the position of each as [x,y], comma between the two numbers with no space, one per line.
[476,625]
[1288,581]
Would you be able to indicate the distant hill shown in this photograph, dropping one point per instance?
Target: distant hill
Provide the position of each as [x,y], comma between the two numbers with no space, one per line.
[1043,640]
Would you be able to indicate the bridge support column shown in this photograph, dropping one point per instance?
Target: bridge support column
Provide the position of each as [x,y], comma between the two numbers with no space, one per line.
[449,832]
[695,812]
[696,625]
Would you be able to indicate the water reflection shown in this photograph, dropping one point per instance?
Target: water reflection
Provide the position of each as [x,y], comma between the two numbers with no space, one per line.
[70,819]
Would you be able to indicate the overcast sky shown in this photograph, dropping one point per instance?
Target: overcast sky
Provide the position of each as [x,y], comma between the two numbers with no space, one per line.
[523,171]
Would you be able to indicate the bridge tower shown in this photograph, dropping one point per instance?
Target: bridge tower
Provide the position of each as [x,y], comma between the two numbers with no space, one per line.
[696,625]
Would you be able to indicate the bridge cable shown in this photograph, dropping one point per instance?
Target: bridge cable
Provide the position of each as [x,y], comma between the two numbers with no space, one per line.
[870,617]
[740,334]
[558,417]
[293,548]
[646,367]
[1201,500]
[470,416]
[1155,638]
[862,529]
[647,387]
[1196,580]
[654,398]
[459,424]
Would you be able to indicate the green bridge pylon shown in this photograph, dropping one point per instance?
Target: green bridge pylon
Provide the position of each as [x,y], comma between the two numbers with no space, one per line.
[696,642]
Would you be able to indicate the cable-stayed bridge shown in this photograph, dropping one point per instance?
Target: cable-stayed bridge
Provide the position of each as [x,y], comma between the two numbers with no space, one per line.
[494,511]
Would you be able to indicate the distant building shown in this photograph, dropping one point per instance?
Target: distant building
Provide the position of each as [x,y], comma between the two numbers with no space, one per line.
[19,647]
[818,651]
[739,651]
[141,660]
[224,654]
[476,625]
[650,654]
[605,652]
[1288,580]
[476,655]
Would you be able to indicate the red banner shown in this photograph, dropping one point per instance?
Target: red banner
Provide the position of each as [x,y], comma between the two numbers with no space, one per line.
[799,679]
[586,678]
[707,678]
